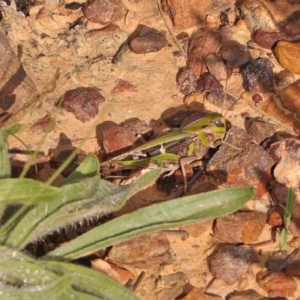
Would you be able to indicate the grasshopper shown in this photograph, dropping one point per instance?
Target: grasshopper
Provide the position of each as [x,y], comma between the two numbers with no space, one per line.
[174,149]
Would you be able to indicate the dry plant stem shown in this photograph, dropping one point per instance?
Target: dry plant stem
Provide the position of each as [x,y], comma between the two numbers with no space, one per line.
[170,29]
[192,181]
[138,281]
[270,117]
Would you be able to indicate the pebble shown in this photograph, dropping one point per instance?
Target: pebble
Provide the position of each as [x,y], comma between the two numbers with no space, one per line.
[117,140]
[254,163]
[270,281]
[144,251]
[284,78]
[145,39]
[187,81]
[202,43]
[123,86]
[258,76]
[241,227]
[208,82]
[234,54]
[216,66]
[104,11]
[230,263]
[83,102]
[288,55]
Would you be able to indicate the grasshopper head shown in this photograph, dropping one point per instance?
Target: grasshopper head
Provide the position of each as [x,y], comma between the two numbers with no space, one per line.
[210,129]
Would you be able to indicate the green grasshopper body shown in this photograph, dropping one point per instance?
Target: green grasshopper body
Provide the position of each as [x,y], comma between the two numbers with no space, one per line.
[190,141]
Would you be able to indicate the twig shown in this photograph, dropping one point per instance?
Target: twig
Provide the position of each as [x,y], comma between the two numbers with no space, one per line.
[170,30]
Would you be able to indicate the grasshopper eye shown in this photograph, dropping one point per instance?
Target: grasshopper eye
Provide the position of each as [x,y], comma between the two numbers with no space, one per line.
[218,123]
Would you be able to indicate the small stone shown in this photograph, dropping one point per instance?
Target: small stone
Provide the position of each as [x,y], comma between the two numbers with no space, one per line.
[117,140]
[230,263]
[259,129]
[287,155]
[138,127]
[123,86]
[174,118]
[270,281]
[216,66]
[219,287]
[234,54]
[104,11]
[211,20]
[208,82]
[187,81]
[145,39]
[61,153]
[111,270]
[83,102]
[183,37]
[241,227]
[245,295]
[290,26]
[290,97]
[258,76]
[196,294]
[275,216]
[171,286]
[276,261]
[288,55]
[46,123]
[202,43]
[219,98]
[254,163]
[293,268]
[266,39]
[257,16]
[142,252]
[283,79]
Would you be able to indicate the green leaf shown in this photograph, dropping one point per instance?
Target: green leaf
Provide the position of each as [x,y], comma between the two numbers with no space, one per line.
[89,280]
[27,191]
[84,200]
[5,169]
[160,216]
[40,279]
[11,130]
[88,168]
[288,212]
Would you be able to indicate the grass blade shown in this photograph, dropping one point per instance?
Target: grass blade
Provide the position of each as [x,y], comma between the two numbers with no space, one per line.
[288,212]
[156,217]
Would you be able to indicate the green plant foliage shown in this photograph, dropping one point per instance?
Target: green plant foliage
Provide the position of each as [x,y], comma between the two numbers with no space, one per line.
[84,196]
[82,200]
[27,278]
[288,212]
[160,216]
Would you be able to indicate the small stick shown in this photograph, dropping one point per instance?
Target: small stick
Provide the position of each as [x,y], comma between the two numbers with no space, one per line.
[170,30]
[138,281]
[270,117]
[197,175]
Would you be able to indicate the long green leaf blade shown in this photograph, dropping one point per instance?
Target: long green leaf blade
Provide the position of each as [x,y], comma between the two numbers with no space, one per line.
[156,217]
[82,200]
[89,280]
[27,191]
[40,279]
